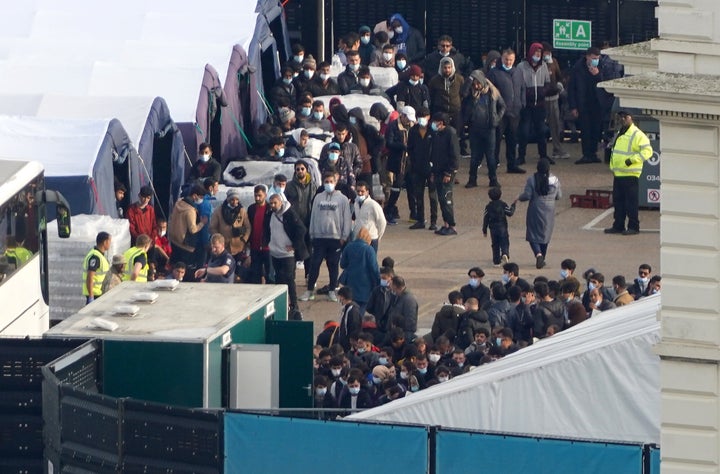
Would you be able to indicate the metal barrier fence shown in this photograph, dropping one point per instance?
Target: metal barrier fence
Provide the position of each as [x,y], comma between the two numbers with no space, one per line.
[21,419]
[86,431]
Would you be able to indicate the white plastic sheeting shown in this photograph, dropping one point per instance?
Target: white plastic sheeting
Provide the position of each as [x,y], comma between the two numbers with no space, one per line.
[599,380]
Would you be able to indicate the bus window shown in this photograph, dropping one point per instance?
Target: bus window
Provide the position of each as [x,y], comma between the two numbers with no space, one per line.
[19,240]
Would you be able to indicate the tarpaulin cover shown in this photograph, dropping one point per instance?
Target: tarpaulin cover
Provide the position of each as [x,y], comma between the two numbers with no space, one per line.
[599,380]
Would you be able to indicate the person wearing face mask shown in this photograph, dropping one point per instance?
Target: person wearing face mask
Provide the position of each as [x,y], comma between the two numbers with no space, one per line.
[442,374]
[536,77]
[284,93]
[445,92]
[355,396]
[304,110]
[520,318]
[475,288]
[596,281]
[322,83]
[349,77]
[509,81]
[640,286]
[407,39]
[276,150]
[511,276]
[159,254]
[386,58]
[411,92]
[278,187]
[369,215]
[366,48]
[445,49]
[287,245]
[445,156]
[655,285]
[482,111]
[421,169]
[366,85]
[230,219]
[330,225]
[396,139]
[296,61]
[504,344]
[379,303]
[303,80]
[403,312]
[184,229]
[598,302]
[590,104]
[205,166]
[316,119]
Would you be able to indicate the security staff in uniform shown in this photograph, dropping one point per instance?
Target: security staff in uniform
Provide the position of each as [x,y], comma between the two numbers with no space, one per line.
[629,151]
[95,266]
[136,257]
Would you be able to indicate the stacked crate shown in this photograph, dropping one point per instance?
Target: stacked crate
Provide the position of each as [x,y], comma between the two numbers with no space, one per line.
[592,199]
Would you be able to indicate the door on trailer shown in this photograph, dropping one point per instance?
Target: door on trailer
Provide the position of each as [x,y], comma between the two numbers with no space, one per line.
[295,339]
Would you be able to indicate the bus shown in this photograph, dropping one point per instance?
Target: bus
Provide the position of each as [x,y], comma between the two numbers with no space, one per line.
[24,295]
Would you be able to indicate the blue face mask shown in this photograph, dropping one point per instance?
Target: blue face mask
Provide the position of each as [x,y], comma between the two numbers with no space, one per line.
[498,340]
[536,59]
[305,111]
[434,127]
[298,58]
[474,282]
[353,120]
[400,63]
[591,286]
[365,39]
[564,273]
[507,68]
[505,278]
[422,371]
[318,115]
[281,152]
[354,67]
[329,187]
[594,62]
[333,156]
[382,360]
[384,283]
[287,80]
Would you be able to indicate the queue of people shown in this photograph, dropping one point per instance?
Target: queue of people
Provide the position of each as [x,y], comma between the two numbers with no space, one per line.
[365,360]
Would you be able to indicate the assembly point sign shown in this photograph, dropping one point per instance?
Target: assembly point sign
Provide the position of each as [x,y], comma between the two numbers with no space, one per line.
[571,34]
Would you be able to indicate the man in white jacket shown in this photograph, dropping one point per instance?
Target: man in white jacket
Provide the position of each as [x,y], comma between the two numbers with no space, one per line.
[369,214]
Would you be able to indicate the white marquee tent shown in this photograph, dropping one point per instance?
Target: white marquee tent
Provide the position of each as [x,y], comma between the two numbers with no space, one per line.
[599,380]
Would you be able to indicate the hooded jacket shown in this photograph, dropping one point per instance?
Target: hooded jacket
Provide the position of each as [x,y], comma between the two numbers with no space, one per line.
[331,216]
[237,233]
[470,323]
[300,195]
[410,41]
[492,55]
[431,64]
[486,111]
[286,228]
[536,78]
[445,91]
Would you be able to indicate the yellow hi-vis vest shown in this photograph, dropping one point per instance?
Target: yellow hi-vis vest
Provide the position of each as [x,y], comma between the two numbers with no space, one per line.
[99,273]
[130,255]
[18,255]
[633,145]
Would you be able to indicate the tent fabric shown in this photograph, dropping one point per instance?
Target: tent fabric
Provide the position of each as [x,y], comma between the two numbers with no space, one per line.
[240,99]
[77,155]
[142,117]
[599,380]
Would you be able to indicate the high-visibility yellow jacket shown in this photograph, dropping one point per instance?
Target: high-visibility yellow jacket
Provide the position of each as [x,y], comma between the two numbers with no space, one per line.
[633,145]
[99,273]
[18,255]
[130,255]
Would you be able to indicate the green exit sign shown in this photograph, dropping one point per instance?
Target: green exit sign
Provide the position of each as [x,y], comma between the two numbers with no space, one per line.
[572,34]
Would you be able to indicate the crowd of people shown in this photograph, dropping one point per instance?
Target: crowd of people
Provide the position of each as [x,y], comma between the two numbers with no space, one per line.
[331,210]
[365,360]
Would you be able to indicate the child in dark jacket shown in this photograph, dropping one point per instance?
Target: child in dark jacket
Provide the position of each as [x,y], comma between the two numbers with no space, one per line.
[495,217]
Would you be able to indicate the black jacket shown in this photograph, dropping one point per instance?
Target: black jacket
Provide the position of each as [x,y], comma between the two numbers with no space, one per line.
[418,148]
[470,323]
[295,230]
[546,314]
[482,293]
[350,324]
[445,152]
[483,113]
[512,89]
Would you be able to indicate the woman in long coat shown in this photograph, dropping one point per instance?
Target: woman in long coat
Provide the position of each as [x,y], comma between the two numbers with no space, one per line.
[542,189]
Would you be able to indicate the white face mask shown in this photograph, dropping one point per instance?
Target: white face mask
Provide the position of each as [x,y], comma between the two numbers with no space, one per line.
[335,372]
[364,82]
[299,58]
[204,158]
[443,378]
[399,30]
[434,357]
[320,392]
[199,201]
[309,73]
[387,56]
[324,77]
[422,121]
[162,233]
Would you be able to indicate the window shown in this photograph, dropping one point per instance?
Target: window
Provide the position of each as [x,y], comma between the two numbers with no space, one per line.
[19,230]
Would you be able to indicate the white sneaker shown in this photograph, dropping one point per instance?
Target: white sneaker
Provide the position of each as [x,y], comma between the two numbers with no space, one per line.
[300,265]
[332,296]
[504,260]
[307,296]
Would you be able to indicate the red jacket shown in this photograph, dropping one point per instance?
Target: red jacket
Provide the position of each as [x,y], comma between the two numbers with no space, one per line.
[142,221]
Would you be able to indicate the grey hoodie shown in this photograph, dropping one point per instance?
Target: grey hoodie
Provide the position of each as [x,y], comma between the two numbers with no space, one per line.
[279,240]
[331,216]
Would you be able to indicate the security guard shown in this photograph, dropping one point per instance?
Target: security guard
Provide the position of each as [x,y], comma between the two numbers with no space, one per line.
[136,268]
[629,151]
[95,266]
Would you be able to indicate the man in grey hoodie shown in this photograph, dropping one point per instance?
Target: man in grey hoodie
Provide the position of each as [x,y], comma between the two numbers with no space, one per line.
[330,225]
